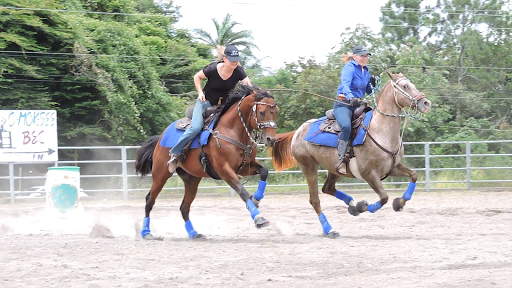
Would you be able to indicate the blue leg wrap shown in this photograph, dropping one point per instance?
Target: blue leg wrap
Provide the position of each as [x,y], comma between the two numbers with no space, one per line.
[258,195]
[325,224]
[190,229]
[408,193]
[344,196]
[372,208]
[252,208]
[145,227]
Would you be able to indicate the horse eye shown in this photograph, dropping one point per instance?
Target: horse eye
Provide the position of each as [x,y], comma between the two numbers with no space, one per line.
[261,113]
[406,87]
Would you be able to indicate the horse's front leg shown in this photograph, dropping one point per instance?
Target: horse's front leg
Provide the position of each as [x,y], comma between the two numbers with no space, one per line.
[330,188]
[373,179]
[232,179]
[256,168]
[402,170]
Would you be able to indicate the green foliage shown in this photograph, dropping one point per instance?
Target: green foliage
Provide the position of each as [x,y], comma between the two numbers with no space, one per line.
[109,76]
[118,78]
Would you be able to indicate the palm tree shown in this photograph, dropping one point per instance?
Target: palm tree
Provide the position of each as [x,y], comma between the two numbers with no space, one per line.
[226,36]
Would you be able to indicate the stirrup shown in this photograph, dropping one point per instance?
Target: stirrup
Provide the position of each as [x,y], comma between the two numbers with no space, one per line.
[176,158]
[341,168]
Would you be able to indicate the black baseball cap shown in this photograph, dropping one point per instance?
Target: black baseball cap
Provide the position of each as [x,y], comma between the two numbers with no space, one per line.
[361,50]
[232,53]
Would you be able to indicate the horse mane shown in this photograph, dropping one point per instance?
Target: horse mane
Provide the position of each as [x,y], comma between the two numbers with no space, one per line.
[242,91]
[388,83]
[377,97]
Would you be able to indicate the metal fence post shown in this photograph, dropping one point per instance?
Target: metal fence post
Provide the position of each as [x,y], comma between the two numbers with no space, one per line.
[11,182]
[125,173]
[427,166]
[468,164]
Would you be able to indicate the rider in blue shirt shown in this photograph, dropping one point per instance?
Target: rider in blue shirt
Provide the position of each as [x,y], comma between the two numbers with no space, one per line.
[355,82]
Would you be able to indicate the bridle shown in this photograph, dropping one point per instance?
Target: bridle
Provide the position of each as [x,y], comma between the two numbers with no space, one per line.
[397,90]
[259,125]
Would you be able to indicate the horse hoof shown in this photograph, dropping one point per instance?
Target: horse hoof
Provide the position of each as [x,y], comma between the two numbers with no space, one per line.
[199,237]
[353,211]
[333,235]
[261,222]
[361,205]
[151,237]
[397,206]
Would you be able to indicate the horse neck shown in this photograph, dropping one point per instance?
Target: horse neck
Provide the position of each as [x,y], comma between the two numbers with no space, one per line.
[231,120]
[386,128]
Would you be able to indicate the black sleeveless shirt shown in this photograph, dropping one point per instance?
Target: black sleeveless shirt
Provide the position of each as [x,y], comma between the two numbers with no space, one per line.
[216,87]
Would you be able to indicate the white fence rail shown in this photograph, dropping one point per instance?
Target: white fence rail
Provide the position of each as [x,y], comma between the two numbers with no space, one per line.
[11,184]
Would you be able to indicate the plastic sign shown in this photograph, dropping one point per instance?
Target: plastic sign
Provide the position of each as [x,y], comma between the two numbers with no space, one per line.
[28,136]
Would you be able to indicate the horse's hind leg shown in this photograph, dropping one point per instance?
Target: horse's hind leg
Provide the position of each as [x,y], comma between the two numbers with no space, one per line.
[311,173]
[191,184]
[373,179]
[402,170]
[330,188]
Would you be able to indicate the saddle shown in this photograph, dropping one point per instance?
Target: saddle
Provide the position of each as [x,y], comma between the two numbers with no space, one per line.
[330,124]
[209,115]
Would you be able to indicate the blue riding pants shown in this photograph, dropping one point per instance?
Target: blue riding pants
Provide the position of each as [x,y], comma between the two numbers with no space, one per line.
[195,127]
[343,114]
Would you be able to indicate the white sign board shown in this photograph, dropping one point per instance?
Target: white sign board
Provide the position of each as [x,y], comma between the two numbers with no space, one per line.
[28,136]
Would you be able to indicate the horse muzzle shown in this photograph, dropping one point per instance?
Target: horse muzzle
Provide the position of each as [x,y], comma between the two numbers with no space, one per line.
[424,105]
[270,141]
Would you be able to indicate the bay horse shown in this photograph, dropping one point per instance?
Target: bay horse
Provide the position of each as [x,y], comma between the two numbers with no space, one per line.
[374,159]
[231,152]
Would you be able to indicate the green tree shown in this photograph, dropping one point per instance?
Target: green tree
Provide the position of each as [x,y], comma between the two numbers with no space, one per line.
[108,75]
[401,22]
[226,35]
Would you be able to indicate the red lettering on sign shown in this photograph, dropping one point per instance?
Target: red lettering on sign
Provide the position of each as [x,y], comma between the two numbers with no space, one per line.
[32,137]
[39,135]
[26,138]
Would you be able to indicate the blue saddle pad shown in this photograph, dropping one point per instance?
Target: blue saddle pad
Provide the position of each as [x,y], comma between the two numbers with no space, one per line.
[172,135]
[315,136]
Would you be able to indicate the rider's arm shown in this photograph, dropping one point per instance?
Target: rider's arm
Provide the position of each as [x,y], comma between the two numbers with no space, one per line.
[347,73]
[197,82]
[242,75]
[246,81]
[369,88]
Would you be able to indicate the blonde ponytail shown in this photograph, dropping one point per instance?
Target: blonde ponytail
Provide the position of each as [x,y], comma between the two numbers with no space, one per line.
[220,52]
[347,57]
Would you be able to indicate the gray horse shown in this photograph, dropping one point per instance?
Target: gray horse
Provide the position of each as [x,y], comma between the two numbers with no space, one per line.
[379,156]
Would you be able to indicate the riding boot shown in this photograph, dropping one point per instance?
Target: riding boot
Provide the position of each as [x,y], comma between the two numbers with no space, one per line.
[342,149]
[172,164]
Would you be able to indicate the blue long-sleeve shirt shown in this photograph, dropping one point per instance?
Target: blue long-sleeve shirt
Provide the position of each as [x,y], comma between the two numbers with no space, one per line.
[354,82]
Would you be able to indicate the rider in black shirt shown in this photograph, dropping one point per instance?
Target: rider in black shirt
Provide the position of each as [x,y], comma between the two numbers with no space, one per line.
[222,78]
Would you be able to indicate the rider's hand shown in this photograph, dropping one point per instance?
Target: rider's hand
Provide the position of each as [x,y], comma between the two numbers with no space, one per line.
[373,81]
[354,101]
[201,97]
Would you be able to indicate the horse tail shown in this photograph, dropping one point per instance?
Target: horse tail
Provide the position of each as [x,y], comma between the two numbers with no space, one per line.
[282,157]
[144,161]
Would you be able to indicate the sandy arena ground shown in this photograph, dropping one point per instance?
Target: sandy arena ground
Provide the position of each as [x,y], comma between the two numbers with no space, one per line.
[441,239]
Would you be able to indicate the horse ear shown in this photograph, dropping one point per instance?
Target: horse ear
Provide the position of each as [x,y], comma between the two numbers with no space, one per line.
[391,75]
